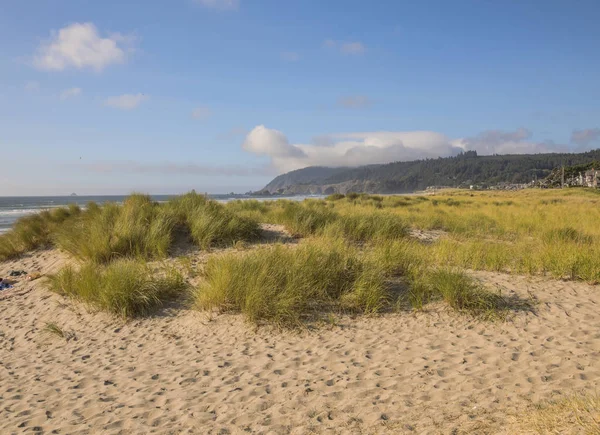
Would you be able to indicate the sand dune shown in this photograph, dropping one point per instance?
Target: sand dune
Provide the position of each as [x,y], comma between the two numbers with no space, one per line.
[182,372]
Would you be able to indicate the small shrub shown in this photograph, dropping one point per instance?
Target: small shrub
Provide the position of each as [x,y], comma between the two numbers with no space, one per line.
[125,287]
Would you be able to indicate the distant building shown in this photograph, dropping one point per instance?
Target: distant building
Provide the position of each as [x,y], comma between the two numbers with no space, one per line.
[589,178]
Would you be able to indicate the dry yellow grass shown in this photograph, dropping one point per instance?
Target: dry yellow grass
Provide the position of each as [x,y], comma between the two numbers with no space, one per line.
[577,414]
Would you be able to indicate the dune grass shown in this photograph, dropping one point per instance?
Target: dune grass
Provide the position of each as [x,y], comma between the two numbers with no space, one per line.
[35,231]
[211,224]
[214,225]
[455,288]
[283,286]
[138,228]
[531,232]
[579,413]
[362,227]
[125,287]
[551,232]
[306,219]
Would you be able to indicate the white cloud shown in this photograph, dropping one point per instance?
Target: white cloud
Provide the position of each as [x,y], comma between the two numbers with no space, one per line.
[364,148]
[224,5]
[70,93]
[126,101]
[355,102]
[352,48]
[80,46]
[263,140]
[32,86]
[201,112]
[290,56]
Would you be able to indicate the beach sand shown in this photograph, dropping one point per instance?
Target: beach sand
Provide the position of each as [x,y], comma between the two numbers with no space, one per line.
[182,371]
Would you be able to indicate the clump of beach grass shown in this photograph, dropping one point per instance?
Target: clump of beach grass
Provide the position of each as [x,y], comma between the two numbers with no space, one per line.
[139,228]
[35,231]
[578,413]
[214,225]
[457,289]
[284,286]
[125,287]
[308,218]
[211,224]
[53,328]
[335,197]
[361,227]
[144,229]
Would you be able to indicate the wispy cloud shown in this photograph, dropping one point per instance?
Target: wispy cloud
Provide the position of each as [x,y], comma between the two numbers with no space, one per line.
[32,86]
[126,101]
[232,133]
[70,93]
[224,5]
[350,48]
[201,112]
[355,102]
[80,46]
[585,137]
[171,168]
[353,48]
[290,56]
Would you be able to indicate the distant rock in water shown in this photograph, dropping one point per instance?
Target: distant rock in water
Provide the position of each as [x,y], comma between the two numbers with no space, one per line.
[73,194]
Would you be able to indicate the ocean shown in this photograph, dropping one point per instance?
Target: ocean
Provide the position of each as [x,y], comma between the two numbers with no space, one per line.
[12,208]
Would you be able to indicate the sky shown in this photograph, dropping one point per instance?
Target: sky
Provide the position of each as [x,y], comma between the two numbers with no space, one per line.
[223,95]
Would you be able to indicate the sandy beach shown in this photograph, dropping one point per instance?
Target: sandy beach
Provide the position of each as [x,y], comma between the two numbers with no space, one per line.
[182,371]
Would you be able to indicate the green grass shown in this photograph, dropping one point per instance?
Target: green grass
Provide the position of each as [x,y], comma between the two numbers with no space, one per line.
[52,328]
[285,285]
[35,231]
[335,197]
[455,288]
[125,287]
[213,225]
[362,227]
[308,218]
[139,228]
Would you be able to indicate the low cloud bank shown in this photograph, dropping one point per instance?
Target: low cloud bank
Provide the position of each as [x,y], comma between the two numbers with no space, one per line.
[364,148]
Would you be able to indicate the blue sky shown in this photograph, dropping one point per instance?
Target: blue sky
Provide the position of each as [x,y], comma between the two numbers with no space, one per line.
[221,95]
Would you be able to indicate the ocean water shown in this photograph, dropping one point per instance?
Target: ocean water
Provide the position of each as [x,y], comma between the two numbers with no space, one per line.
[13,208]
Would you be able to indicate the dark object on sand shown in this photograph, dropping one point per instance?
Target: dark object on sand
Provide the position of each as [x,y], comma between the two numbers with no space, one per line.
[17,272]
